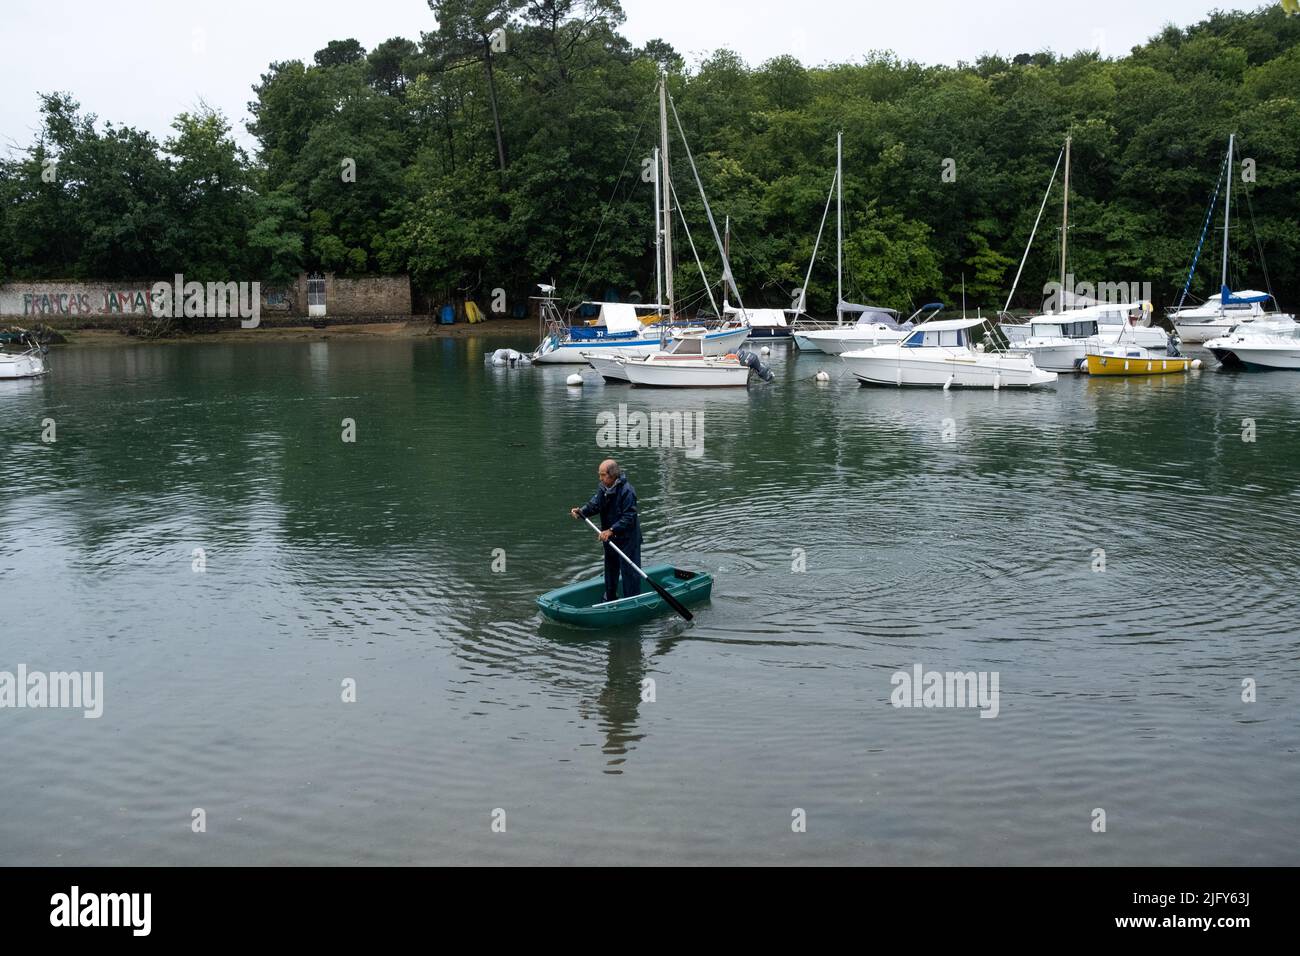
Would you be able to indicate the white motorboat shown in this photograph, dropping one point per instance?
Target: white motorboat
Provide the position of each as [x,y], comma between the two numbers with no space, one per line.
[943,355]
[611,364]
[29,363]
[681,365]
[701,371]
[1198,324]
[1274,344]
[1060,342]
[1227,310]
[875,326]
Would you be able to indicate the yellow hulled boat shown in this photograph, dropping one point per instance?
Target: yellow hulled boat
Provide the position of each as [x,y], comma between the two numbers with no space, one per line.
[1134,361]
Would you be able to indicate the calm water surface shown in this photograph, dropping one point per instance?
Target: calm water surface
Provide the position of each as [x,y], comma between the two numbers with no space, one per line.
[956,531]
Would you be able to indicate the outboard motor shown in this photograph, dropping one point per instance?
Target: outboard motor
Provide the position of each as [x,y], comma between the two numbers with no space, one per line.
[752,360]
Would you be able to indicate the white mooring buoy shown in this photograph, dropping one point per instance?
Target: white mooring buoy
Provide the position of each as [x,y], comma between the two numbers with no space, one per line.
[574,379]
[1196,363]
[823,376]
[765,350]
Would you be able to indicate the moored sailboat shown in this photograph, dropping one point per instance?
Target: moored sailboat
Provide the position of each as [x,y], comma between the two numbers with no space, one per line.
[875,325]
[1062,339]
[1225,310]
[684,363]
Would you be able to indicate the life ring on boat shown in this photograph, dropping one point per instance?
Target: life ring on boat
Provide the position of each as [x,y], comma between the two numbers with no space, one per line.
[731,355]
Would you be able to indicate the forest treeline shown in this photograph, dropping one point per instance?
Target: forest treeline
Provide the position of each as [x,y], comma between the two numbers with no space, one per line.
[504,147]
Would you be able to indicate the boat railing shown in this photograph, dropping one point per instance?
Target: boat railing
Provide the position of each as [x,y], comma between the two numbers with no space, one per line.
[817,325]
[27,342]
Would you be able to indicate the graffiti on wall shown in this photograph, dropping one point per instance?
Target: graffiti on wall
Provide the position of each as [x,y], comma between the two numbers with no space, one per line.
[108,302]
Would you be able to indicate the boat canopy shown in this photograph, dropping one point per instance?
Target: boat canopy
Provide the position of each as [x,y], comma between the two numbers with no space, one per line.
[619,317]
[1105,313]
[854,307]
[874,315]
[762,318]
[948,324]
[1226,297]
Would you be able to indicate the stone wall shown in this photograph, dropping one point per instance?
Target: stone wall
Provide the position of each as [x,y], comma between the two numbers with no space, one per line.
[378,295]
[72,305]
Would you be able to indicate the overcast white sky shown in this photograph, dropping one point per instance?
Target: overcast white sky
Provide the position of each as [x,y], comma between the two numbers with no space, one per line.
[140,62]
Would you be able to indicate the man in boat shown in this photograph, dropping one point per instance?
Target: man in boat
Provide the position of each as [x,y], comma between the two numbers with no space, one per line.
[615,502]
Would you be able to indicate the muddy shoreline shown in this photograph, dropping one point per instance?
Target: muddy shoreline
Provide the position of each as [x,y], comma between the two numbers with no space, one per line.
[414,329]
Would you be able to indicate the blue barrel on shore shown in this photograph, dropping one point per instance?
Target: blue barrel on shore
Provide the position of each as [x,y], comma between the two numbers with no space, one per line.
[448,315]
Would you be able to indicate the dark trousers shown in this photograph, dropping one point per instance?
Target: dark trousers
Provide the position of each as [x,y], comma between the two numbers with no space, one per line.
[614,565]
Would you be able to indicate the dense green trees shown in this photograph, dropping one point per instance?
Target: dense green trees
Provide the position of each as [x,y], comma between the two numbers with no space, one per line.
[476,159]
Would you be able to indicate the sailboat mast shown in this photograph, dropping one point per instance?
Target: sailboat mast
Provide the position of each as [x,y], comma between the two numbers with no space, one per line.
[1065,218]
[1227,212]
[726,259]
[839,228]
[659,237]
[667,194]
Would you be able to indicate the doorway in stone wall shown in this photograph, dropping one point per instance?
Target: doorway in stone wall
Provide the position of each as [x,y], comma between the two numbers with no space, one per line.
[316,295]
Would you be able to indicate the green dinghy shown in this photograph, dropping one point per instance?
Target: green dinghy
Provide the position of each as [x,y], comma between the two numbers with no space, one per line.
[583,604]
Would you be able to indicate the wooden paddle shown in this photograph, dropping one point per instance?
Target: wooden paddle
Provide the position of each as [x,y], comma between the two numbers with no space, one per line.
[671,601]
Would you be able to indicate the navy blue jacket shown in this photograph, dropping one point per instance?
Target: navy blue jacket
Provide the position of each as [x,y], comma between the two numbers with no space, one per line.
[616,506]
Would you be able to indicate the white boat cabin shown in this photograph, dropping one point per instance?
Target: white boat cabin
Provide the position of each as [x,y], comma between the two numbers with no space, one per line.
[954,333]
[1062,327]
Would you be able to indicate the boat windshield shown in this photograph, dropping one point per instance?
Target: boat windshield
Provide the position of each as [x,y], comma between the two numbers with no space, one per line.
[945,338]
[687,345]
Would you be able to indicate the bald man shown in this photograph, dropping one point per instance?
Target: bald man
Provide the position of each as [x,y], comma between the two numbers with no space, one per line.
[615,502]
